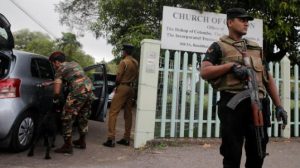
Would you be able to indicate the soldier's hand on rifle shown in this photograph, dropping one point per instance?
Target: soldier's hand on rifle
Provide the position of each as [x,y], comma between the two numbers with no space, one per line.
[281,114]
[239,71]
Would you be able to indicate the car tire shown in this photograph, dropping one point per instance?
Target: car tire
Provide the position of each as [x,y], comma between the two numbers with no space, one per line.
[23,132]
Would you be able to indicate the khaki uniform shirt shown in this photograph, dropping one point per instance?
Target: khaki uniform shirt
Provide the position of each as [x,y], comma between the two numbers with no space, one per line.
[127,70]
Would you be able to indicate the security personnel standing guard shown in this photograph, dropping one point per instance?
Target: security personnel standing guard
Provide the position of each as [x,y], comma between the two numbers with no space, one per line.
[78,102]
[224,66]
[123,98]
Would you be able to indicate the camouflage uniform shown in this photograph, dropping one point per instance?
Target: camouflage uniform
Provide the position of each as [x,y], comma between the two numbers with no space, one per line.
[79,98]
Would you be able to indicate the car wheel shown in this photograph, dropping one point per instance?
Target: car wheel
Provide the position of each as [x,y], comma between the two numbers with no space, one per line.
[23,132]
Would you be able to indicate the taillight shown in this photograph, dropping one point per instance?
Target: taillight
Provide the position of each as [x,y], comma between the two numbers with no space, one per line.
[10,88]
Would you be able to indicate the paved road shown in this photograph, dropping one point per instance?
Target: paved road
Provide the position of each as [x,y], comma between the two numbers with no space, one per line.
[186,154]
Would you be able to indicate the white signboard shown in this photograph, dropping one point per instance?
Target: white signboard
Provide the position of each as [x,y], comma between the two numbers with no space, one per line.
[190,30]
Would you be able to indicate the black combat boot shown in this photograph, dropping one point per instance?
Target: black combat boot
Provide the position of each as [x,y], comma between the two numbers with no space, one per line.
[123,142]
[80,143]
[109,143]
[66,148]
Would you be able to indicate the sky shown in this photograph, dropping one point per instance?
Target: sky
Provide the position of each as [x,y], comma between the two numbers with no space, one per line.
[43,12]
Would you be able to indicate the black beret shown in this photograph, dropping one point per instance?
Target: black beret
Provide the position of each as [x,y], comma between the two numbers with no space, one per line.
[238,13]
[128,47]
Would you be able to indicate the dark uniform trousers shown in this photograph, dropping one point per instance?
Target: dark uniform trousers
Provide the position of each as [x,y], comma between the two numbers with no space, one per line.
[237,127]
[123,98]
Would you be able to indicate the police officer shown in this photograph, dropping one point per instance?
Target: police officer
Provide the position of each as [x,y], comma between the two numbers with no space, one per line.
[123,98]
[78,99]
[223,66]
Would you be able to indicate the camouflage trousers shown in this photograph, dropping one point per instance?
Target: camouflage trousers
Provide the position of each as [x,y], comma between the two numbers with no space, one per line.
[77,109]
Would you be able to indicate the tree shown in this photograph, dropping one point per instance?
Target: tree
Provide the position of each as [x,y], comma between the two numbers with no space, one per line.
[82,58]
[35,42]
[131,20]
[39,43]
[72,48]
[68,43]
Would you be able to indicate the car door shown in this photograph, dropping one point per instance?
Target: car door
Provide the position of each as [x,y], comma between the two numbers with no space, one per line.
[97,73]
[42,71]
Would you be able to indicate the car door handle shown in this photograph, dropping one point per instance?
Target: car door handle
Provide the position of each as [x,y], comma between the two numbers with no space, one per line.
[39,85]
[44,84]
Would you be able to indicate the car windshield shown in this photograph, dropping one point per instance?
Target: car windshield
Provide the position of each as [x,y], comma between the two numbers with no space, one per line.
[3,38]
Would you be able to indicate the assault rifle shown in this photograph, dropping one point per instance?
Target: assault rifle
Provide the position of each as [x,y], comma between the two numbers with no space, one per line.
[252,92]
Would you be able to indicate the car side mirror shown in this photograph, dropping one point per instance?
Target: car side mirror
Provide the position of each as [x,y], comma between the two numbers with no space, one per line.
[4,23]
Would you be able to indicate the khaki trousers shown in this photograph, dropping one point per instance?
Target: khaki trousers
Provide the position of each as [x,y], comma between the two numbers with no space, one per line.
[123,98]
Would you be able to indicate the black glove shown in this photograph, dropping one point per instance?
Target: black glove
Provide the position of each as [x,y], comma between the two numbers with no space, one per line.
[281,114]
[239,71]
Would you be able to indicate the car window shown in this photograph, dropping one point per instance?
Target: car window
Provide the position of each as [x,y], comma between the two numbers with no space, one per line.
[111,82]
[41,68]
[45,69]
[3,38]
[4,66]
[34,69]
[96,75]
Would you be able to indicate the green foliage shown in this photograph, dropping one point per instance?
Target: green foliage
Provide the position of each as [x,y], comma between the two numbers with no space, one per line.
[82,58]
[40,46]
[281,19]
[35,42]
[293,102]
[39,43]
[68,43]
[72,48]
[112,68]
[131,21]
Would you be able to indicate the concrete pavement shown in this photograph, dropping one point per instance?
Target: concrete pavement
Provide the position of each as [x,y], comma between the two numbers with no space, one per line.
[201,153]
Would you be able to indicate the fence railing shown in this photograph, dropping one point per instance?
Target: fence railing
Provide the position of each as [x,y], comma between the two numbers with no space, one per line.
[186,104]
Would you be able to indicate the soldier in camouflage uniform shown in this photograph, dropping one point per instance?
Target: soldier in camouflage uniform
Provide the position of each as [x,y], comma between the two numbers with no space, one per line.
[78,99]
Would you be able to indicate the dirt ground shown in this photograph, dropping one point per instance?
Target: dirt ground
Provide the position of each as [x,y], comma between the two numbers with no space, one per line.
[204,153]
